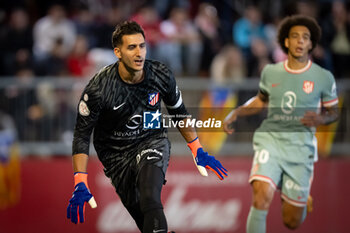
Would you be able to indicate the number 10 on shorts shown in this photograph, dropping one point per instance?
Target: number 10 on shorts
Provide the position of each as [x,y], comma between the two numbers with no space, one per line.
[261,156]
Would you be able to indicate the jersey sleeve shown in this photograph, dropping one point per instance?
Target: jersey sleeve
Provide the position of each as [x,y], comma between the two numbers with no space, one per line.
[173,98]
[89,108]
[263,86]
[329,93]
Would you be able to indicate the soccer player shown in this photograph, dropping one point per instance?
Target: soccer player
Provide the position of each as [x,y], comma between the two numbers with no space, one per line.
[114,104]
[299,95]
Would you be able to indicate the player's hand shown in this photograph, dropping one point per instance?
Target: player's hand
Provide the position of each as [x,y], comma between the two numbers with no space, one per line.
[229,120]
[311,119]
[76,206]
[205,160]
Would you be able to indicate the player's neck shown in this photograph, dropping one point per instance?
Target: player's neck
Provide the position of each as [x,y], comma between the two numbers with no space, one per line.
[297,63]
[130,76]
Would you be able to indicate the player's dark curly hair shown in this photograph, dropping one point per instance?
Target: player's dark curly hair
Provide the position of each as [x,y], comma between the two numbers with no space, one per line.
[298,20]
[125,28]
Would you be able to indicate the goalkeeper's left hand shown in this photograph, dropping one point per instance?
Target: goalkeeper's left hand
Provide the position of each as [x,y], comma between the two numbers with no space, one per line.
[204,160]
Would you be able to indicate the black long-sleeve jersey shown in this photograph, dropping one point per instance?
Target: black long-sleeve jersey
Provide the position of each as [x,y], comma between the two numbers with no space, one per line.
[115,109]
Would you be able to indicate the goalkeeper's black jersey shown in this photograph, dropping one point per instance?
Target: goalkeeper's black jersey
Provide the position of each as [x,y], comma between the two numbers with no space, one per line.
[115,110]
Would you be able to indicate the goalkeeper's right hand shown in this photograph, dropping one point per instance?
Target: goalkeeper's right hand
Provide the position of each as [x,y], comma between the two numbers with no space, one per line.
[81,195]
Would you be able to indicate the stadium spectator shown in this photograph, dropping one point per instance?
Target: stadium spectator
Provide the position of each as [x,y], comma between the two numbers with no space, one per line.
[16,43]
[53,32]
[277,54]
[86,25]
[149,20]
[228,66]
[78,63]
[208,24]
[183,49]
[164,7]
[111,17]
[102,55]
[260,56]
[336,39]
[248,28]
[22,104]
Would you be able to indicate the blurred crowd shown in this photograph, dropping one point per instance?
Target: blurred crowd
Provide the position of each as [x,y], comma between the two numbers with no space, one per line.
[224,41]
[73,38]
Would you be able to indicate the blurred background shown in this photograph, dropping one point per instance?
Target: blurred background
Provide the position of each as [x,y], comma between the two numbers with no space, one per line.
[216,49]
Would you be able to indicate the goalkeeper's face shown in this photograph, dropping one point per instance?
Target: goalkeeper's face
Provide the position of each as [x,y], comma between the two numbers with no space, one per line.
[132,52]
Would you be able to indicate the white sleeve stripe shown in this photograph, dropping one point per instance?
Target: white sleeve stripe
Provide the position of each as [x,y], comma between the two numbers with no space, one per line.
[330,103]
[178,103]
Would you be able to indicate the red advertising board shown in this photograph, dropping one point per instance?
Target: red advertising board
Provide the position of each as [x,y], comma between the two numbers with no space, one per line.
[192,203]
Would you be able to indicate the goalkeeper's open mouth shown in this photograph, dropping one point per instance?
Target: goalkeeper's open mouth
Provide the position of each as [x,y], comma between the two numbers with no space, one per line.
[139,62]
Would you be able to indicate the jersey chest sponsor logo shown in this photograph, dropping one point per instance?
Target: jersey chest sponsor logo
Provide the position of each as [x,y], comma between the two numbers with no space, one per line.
[308,86]
[153,98]
[289,102]
[134,122]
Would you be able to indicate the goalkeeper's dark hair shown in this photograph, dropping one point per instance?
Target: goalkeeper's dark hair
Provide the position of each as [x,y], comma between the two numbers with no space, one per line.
[298,20]
[125,28]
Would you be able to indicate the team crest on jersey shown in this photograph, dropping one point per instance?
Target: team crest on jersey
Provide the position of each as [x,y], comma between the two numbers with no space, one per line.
[308,86]
[153,98]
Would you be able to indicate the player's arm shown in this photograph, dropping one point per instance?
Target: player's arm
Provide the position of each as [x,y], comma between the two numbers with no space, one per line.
[88,111]
[328,115]
[80,162]
[253,106]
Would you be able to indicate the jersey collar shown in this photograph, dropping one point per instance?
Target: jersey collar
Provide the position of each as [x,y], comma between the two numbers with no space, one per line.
[145,68]
[289,70]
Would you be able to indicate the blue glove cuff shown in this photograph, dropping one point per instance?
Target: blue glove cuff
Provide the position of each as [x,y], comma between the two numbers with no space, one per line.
[80,172]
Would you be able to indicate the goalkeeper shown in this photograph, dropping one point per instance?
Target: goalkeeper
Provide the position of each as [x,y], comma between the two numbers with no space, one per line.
[135,157]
